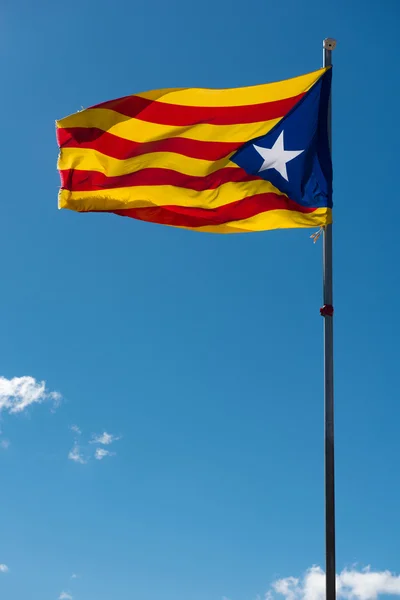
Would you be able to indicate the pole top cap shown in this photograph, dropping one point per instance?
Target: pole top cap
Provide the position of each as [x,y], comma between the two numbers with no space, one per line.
[329,44]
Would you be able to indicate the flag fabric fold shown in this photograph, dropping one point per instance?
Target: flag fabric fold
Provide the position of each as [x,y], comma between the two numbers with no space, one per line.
[223,161]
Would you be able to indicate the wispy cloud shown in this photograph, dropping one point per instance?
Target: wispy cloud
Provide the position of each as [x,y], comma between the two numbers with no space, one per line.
[101,453]
[104,438]
[5,444]
[19,393]
[74,576]
[64,596]
[4,568]
[76,456]
[351,584]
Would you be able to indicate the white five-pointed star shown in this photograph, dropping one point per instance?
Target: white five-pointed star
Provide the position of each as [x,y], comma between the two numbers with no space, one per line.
[277,157]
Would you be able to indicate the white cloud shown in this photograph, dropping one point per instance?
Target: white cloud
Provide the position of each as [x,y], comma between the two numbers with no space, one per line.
[76,455]
[4,568]
[368,584]
[64,596]
[350,583]
[101,453]
[75,429]
[288,587]
[5,444]
[18,393]
[104,438]
[74,576]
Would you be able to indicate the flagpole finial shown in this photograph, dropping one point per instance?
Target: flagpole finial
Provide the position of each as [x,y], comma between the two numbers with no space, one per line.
[329,44]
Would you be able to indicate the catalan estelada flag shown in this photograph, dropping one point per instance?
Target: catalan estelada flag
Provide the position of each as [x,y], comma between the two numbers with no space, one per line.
[224,161]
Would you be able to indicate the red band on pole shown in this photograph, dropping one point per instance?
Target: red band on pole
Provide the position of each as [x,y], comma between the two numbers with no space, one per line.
[326,310]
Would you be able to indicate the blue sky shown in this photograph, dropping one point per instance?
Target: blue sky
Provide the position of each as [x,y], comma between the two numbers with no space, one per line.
[201,353]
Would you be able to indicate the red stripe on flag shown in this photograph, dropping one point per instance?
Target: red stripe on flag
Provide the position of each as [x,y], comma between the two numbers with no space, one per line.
[183,216]
[117,147]
[88,181]
[162,113]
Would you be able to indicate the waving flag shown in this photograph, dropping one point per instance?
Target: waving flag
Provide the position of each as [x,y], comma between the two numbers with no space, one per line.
[224,161]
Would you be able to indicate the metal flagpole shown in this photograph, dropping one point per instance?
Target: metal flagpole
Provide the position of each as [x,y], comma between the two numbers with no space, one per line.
[327,313]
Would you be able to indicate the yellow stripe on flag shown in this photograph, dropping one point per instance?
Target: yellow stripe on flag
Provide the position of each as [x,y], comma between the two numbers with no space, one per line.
[267,92]
[272,219]
[163,195]
[91,160]
[136,130]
